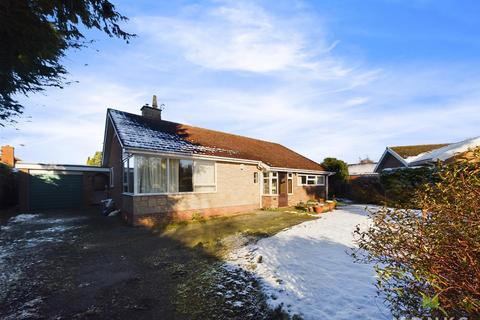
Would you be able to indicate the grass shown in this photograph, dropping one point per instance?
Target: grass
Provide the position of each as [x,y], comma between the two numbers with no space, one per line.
[218,235]
[199,296]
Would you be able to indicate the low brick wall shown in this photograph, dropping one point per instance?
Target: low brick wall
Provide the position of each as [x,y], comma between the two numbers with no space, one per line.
[151,219]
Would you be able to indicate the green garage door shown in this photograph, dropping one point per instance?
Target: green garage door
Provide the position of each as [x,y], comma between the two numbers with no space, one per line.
[51,191]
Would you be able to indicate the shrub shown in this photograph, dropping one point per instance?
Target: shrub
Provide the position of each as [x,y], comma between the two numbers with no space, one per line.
[399,186]
[428,262]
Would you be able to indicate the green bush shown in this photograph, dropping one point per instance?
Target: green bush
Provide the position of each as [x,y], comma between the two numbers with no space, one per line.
[8,187]
[428,262]
[399,186]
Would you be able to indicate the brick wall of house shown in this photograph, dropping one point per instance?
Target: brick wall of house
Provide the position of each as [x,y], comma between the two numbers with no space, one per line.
[114,151]
[236,192]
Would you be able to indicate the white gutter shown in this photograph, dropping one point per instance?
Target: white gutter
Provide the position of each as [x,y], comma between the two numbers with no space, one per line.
[61,167]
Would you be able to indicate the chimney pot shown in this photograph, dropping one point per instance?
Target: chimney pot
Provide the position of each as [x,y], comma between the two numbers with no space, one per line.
[154,102]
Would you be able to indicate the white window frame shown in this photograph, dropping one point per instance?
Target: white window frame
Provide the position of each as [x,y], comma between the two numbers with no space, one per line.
[289,178]
[135,175]
[310,177]
[270,178]
[130,159]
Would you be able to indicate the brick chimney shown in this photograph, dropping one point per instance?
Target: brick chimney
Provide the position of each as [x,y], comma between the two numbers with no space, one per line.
[153,112]
[8,156]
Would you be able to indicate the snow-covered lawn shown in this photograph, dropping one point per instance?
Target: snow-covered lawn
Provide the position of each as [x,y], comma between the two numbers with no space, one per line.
[307,269]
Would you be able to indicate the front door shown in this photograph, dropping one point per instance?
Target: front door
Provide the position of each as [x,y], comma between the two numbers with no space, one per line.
[283,192]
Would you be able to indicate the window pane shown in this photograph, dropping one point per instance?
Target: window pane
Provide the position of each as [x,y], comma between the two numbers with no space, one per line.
[125,176]
[151,174]
[185,173]
[309,181]
[130,175]
[204,172]
[290,185]
[275,186]
[173,174]
[321,180]
[304,180]
[266,186]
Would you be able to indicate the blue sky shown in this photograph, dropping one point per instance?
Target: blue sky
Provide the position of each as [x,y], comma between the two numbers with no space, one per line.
[325,78]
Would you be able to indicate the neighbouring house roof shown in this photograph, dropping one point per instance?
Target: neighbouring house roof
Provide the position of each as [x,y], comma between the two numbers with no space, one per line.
[446,152]
[411,151]
[411,156]
[139,132]
[358,169]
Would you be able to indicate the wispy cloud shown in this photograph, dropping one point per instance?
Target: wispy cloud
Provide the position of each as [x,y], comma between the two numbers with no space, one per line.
[243,68]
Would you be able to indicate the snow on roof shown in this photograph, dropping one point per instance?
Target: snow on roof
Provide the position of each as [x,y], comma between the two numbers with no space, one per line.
[446,152]
[138,132]
[415,150]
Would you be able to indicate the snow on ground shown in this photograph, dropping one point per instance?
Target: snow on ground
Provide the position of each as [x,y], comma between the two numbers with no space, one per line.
[307,270]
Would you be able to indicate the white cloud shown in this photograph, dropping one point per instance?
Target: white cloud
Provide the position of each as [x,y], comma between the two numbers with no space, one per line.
[240,68]
[242,36]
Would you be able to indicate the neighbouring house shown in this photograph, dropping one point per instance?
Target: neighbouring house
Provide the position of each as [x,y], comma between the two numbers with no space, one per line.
[365,168]
[164,171]
[423,155]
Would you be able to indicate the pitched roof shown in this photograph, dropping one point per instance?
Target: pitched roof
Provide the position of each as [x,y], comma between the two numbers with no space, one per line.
[139,132]
[448,151]
[411,151]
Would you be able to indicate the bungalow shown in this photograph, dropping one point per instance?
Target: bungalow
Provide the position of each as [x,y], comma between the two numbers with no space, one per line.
[163,170]
[423,155]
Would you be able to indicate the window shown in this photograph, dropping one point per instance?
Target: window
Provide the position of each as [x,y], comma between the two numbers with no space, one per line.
[290,183]
[311,180]
[128,175]
[266,183]
[204,176]
[155,175]
[151,174]
[255,177]
[181,175]
[321,180]
[270,183]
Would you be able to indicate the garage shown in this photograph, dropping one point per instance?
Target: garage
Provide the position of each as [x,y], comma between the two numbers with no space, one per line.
[54,186]
[53,190]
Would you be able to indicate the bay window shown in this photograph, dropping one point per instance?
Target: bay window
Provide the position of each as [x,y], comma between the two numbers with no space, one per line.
[270,183]
[155,175]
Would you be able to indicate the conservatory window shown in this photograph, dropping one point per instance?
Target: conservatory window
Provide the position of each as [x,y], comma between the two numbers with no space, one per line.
[128,175]
[270,183]
[151,174]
